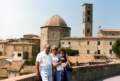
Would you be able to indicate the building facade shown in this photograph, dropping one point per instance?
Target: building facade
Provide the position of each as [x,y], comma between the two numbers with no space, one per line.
[25,48]
[53,30]
[91,45]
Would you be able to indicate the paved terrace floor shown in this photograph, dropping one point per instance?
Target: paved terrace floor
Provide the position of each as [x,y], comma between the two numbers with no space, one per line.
[115,78]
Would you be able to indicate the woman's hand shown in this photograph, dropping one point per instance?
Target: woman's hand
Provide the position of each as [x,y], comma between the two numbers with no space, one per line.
[58,63]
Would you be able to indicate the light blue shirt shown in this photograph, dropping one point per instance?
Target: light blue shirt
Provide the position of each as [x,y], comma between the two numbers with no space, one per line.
[45,63]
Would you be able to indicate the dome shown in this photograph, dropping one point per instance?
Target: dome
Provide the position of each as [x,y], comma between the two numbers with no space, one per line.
[56,21]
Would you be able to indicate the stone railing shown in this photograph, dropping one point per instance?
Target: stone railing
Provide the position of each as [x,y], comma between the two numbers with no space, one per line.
[28,77]
[96,72]
[81,73]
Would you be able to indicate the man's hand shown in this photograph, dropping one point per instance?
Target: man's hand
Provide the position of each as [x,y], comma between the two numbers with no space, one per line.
[38,77]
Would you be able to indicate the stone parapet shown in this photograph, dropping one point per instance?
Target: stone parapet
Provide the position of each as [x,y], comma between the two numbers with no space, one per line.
[29,77]
[81,73]
[94,72]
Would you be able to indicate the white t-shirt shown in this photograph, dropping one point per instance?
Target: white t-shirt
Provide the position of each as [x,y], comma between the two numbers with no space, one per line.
[54,61]
[45,62]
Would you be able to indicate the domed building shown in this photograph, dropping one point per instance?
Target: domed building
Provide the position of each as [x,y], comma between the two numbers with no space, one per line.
[56,20]
[53,30]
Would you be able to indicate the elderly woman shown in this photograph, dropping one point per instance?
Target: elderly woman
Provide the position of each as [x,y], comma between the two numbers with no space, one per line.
[58,68]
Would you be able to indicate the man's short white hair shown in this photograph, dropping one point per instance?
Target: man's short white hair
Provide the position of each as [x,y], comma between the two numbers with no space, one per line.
[54,47]
[46,46]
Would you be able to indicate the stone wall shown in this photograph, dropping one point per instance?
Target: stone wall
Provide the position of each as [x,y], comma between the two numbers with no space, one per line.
[29,77]
[93,73]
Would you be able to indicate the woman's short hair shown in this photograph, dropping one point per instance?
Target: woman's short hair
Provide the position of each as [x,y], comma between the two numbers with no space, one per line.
[63,50]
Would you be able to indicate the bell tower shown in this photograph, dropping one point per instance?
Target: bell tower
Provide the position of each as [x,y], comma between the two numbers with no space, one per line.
[87,19]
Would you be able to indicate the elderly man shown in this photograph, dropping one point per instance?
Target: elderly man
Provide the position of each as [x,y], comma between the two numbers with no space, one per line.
[44,65]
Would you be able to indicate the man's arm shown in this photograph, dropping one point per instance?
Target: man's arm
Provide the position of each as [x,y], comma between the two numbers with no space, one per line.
[37,69]
[37,64]
[38,72]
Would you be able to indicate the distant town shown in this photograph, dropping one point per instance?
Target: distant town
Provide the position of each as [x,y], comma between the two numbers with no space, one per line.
[17,56]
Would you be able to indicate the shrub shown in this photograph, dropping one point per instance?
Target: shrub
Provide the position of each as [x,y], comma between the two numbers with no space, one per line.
[72,52]
[116,47]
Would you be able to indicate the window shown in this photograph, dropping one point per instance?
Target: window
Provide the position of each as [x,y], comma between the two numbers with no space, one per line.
[0,53]
[88,12]
[113,34]
[98,42]
[88,19]
[98,51]
[110,51]
[88,30]
[88,51]
[69,43]
[88,42]
[88,6]
[110,43]
[95,52]
[19,54]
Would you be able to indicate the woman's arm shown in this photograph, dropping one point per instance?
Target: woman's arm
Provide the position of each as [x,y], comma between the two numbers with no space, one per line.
[58,63]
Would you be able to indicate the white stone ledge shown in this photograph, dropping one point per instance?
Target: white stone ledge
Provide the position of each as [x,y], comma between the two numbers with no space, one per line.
[28,77]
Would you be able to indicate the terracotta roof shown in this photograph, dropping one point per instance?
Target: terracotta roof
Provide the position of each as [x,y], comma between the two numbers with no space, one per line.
[16,66]
[55,20]
[27,69]
[3,73]
[4,64]
[83,58]
[3,57]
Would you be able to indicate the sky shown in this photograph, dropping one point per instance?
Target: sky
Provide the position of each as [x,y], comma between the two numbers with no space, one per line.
[19,17]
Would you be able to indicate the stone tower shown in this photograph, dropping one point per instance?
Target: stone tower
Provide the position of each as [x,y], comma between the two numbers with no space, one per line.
[87,19]
[53,30]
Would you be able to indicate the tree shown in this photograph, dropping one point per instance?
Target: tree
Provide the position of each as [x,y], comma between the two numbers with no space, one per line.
[116,47]
[72,52]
